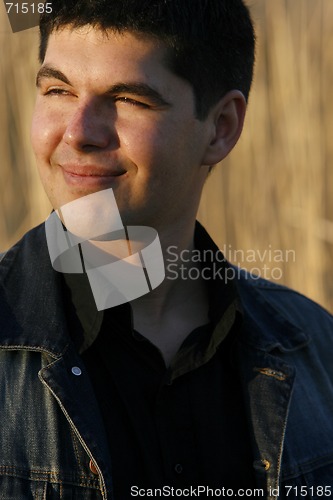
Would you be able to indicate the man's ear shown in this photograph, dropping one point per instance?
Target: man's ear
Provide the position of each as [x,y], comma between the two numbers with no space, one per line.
[226,119]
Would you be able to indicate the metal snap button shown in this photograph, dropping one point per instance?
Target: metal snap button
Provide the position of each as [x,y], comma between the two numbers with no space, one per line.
[76,371]
[266,464]
[93,468]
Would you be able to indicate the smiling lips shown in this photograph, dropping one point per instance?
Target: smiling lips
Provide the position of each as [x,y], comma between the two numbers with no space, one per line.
[90,175]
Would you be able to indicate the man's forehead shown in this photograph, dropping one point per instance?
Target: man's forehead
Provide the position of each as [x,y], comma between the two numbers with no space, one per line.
[95,52]
[102,50]
[99,35]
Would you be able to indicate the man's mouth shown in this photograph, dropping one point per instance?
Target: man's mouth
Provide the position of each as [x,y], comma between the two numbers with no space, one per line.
[91,175]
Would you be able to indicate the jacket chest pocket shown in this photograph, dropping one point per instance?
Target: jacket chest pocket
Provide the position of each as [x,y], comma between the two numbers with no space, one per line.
[16,488]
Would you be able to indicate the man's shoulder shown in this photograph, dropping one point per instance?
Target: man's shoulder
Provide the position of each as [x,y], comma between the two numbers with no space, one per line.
[31,241]
[281,295]
[23,264]
[276,307]
[31,302]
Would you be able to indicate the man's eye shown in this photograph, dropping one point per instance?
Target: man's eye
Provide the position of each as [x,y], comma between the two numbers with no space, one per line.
[56,91]
[133,102]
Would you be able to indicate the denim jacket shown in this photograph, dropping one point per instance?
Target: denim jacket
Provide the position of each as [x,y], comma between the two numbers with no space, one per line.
[52,441]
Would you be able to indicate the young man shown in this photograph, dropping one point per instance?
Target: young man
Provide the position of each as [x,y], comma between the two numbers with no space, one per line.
[220,385]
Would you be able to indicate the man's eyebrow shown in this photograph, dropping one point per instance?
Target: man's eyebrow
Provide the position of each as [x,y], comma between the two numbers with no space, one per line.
[134,88]
[139,90]
[49,72]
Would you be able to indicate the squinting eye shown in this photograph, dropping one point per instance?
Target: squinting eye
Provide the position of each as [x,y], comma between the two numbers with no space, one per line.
[132,102]
[56,91]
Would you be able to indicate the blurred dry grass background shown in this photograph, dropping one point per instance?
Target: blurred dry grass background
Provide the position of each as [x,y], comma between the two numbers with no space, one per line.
[273,195]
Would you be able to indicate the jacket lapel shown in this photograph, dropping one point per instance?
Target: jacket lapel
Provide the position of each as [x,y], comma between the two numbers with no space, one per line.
[33,318]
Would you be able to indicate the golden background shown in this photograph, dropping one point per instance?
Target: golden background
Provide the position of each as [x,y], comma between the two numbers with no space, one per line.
[270,204]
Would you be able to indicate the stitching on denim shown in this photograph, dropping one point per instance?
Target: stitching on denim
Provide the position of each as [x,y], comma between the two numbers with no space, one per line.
[44,492]
[34,349]
[51,476]
[76,450]
[316,463]
[55,361]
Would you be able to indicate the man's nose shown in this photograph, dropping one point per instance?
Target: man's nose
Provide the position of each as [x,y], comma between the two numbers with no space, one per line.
[91,126]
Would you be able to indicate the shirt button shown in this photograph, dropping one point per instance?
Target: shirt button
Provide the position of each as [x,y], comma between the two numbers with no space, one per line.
[92,467]
[178,468]
[76,371]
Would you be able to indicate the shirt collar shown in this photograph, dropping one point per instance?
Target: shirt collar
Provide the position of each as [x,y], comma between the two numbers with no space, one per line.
[224,313]
[217,274]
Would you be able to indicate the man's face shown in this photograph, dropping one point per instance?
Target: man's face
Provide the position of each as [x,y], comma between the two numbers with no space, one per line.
[110,114]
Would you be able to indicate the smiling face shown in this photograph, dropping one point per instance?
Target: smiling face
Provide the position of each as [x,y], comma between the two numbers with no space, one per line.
[109,113]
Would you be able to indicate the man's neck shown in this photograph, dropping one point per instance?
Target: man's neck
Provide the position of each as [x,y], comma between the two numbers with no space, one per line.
[169,313]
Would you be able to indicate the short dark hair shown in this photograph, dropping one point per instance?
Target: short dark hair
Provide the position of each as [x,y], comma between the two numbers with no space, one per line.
[210,42]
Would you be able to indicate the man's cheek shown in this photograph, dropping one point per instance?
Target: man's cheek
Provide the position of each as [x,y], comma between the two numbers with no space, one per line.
[44,134]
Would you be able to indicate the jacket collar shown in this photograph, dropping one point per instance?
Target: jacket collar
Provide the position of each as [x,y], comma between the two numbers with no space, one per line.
[32,313]
[266,325]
